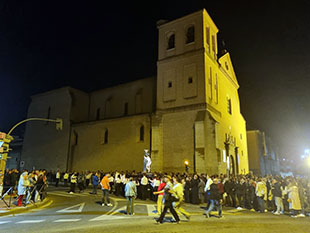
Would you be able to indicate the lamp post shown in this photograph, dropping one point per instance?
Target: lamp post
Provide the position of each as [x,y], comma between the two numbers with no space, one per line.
[5,140]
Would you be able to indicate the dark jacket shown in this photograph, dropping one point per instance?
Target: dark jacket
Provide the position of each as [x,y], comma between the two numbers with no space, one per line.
[214,192]
[169,199]
[277,192]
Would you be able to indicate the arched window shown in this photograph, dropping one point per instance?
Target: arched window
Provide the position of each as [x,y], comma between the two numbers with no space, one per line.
[190,34]
[106,136]
[142,133]
[171,42]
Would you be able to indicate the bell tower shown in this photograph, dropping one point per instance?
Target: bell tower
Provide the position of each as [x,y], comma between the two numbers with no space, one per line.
[181,60]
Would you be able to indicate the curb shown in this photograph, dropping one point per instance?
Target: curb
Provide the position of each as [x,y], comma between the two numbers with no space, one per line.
[17,210]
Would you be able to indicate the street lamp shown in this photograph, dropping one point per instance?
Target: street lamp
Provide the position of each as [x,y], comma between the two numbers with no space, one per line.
[186,163]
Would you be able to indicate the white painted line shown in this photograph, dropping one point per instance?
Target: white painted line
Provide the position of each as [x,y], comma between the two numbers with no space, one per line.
[72,210]
[68,220]
[30,221]
[150,209]
[106,217]
[61,194]
[120,210]
[3,222]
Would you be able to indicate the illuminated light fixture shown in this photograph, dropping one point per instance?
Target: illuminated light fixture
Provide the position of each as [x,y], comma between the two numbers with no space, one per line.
[186,162]
[302,156]
[308,161]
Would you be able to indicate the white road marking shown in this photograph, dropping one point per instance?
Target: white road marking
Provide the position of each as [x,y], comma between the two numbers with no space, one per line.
[150,209]
[72,210]
[3,222]
[31,221]
[123,209]
[68,220]
[106,217]
[60,194]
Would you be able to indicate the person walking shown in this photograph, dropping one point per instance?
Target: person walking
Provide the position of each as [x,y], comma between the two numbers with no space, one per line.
[131,195]
[160,193]
[169,200]
[178,192]
[105,186]
[215,199]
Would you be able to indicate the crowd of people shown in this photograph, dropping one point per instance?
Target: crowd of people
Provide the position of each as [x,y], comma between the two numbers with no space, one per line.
[262,194]
[25,186]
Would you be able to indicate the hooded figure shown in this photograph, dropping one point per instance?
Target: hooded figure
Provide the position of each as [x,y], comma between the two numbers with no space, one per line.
[23,183]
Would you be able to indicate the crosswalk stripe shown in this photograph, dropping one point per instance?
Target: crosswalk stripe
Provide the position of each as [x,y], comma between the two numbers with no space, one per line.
[72,209]
[3,222]
[106,217]
[30,221]
[68,220]
[151,210]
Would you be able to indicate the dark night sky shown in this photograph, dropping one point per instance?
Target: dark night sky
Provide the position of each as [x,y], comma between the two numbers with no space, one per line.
[96,44]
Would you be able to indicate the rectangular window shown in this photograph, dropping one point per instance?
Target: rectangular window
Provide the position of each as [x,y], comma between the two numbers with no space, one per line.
[190,80]
[210,84]
[213,47]
[208,38]
[216,87]
[229,107]
[169,84]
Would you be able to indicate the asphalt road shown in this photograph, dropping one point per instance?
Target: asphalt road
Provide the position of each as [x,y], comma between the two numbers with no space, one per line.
[82,212]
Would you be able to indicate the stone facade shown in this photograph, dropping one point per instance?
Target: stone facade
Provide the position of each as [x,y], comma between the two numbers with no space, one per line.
[263,158]
[189,112]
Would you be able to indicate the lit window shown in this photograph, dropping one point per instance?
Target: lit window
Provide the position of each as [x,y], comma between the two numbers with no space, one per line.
[190,35]
[171,42]
[169,84]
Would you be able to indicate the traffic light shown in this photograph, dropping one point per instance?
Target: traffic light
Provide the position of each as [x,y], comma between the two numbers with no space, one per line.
[4,142]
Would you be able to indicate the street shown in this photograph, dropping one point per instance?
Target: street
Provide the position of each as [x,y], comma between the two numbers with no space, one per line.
[82,212]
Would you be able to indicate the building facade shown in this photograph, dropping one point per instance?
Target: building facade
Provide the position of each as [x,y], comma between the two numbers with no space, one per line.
[263,158]
[189,112]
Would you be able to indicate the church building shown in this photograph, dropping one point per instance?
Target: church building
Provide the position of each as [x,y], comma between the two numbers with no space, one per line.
[189,112]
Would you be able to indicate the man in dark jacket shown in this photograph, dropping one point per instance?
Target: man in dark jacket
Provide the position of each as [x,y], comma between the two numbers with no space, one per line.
[277,194]
[215,199]
[169,199]
[229,188]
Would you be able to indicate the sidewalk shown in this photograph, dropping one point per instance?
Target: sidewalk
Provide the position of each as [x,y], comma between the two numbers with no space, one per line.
[13,209]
